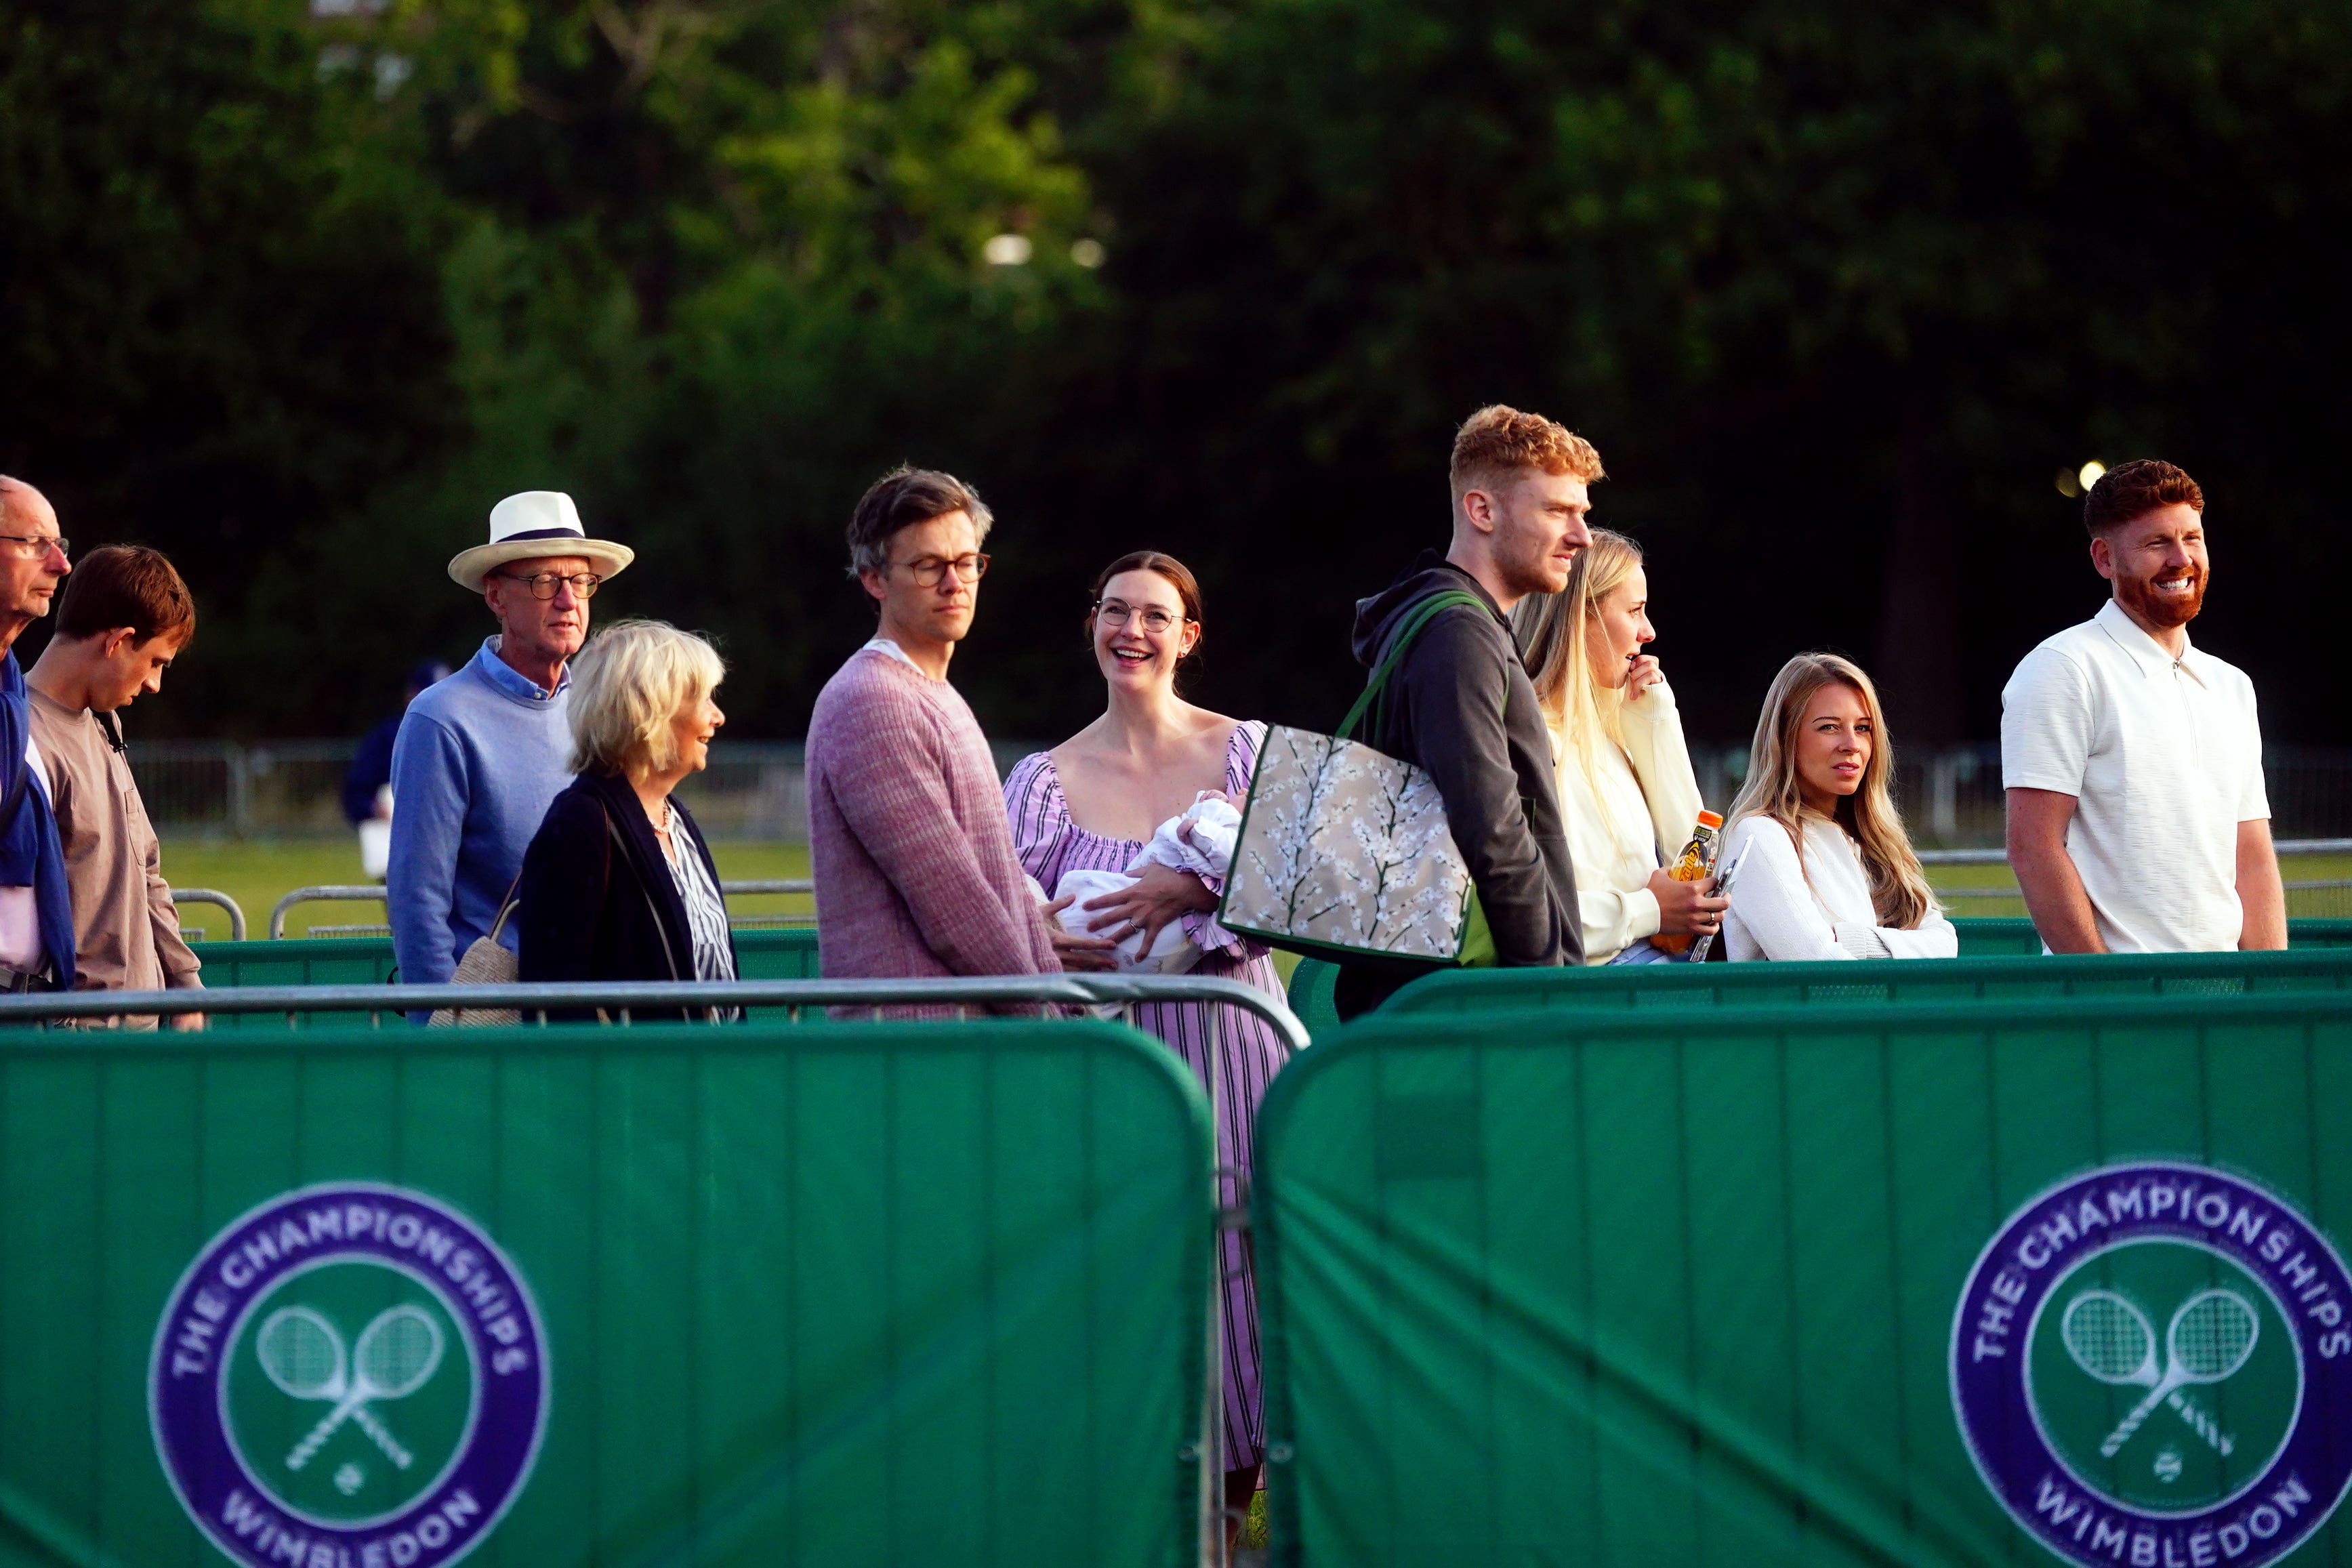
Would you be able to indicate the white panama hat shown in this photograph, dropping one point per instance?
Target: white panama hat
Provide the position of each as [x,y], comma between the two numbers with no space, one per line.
[532,524]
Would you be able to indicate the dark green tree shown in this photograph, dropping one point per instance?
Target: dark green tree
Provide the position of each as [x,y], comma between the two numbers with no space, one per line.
[221,312]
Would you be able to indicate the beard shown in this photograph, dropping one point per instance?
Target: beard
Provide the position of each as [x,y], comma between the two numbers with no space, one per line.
[2139,596]
[1531,569]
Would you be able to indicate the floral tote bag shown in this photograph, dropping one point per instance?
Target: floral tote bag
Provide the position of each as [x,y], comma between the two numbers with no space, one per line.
[1344,851]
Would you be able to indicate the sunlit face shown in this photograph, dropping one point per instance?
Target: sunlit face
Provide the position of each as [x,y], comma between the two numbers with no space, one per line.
[131,667]
[1134,655]
[1539,527]
[942,612]
[1617,629]
[2157,564]
[1834,741]
[551,629]
[29,574]
[692,729]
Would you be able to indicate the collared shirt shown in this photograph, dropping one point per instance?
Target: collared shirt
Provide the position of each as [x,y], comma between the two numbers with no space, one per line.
[2163,757]
[510,680]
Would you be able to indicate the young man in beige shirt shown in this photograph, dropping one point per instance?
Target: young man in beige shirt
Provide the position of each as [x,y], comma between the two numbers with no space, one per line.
[124,616]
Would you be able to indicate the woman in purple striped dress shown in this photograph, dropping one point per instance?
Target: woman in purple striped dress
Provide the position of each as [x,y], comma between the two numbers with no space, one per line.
[1091,803]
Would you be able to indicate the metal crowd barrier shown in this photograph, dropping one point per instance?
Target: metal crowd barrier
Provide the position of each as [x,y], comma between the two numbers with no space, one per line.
[2286,850]
[372,893]
[1128,991]
[220,900]
[352,892]
[1088,991]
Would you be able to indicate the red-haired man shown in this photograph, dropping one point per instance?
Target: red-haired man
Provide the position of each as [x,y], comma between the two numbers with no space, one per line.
[1459,704]
[2137,822]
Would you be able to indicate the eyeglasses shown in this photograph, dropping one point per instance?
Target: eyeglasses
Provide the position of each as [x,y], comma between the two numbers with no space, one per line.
[927,570]
[1117,613]
[36,546]
[543,585]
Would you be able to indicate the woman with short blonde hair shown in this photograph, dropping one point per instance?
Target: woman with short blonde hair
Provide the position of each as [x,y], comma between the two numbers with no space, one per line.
[619,884]
[1627,794]
[1817,862]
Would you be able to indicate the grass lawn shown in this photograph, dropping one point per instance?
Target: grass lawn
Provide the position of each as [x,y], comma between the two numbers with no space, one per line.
[257,872]
[2313,902]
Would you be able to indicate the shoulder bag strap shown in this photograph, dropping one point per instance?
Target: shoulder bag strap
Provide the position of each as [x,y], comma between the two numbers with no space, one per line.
[507,907]
[1419,617]
[669,955]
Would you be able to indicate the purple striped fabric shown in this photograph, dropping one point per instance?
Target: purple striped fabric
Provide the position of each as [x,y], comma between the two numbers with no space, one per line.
[1249,1053]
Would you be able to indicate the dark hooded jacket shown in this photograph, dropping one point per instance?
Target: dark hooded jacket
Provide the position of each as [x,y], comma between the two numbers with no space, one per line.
[1460,706]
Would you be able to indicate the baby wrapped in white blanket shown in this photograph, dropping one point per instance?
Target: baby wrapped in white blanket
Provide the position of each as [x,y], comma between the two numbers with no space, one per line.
[1200,841]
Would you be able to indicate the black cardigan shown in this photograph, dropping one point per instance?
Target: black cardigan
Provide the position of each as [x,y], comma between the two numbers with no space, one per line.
[594,910]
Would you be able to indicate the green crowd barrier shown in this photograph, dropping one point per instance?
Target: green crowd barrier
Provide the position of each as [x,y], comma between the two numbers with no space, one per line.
[1996,936]
[1310,982]
[1909,980]
[1992,936]
[304,960]
[764,952]
[1309,995]
[1871,1285]
[912,1294]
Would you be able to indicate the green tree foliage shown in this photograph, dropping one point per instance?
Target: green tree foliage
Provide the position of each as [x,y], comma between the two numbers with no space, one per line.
[1838,289]
[728,264]
[219,310]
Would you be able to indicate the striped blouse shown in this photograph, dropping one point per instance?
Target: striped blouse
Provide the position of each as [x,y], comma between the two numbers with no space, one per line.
[706,910]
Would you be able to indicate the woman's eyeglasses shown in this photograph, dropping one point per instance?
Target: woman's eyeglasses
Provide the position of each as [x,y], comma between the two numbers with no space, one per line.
[1117,613]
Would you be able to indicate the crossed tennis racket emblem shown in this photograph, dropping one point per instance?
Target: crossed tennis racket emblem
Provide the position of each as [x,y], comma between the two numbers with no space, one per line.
[2211,1336]
[396,1354]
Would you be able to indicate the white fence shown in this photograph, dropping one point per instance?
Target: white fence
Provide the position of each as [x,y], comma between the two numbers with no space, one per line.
[1951,797]
[292,789]
[755,789]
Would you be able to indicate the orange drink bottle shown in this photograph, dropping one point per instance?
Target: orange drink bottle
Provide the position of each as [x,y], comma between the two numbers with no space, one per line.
[1695,863]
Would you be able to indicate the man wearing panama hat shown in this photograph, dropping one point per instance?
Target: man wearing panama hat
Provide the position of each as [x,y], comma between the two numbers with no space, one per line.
[481,754]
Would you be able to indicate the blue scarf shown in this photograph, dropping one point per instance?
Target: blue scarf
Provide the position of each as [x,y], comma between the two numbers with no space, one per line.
[30,853]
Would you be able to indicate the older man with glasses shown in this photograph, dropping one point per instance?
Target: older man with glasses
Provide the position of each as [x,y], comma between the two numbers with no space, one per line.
[480,755]
[913,857]
[37,924]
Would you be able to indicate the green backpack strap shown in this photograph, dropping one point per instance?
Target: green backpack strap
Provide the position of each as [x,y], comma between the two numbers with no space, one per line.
[1420,616]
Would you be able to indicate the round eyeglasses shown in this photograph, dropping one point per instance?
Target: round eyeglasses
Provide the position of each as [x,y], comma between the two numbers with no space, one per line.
[1117,613]
[543,585]
[927,570]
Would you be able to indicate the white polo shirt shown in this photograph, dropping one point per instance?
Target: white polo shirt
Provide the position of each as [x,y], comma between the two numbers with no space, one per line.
[2165,757]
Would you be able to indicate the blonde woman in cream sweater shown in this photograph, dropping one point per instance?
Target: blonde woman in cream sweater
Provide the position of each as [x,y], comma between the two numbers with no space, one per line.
[1626,790]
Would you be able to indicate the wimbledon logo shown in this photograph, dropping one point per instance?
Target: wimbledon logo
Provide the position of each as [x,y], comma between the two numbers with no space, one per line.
[2152,1365]
[348,1376]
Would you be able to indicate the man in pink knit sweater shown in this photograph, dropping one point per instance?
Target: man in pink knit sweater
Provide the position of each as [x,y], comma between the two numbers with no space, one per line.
[913,857]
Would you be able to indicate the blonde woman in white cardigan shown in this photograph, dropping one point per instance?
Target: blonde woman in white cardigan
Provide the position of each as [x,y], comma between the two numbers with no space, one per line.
[1626,790]
[1816,858]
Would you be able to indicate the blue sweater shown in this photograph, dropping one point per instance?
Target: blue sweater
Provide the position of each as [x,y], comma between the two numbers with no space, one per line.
[478,759]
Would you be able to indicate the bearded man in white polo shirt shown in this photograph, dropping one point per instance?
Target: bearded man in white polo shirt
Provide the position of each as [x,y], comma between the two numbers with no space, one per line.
[2138,821]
